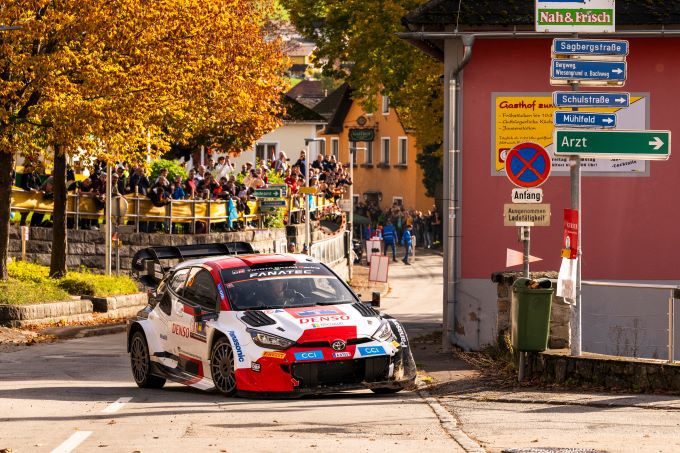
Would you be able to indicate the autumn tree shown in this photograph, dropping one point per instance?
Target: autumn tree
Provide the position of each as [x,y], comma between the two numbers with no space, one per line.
[356,41]
[100,77]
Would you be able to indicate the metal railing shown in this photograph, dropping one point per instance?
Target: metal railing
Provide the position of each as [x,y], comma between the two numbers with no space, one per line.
[674,292]
[140,209]
[330,251]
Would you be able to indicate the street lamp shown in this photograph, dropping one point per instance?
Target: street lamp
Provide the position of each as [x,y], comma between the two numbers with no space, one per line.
[308,233]
[350,222]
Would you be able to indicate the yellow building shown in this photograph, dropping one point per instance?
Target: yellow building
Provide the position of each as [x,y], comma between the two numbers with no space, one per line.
[385,168]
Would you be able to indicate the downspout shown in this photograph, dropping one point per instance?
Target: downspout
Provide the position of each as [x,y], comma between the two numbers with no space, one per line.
[452,182]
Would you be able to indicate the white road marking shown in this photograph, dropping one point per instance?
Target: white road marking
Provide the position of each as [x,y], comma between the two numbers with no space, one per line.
[115,406]
[72,442]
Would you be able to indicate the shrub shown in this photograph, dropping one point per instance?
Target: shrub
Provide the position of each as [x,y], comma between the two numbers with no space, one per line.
[174,168]
[86,284]
[18,292]
[25,271]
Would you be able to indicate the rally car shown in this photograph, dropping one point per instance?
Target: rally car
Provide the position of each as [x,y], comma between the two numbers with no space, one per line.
[276,324]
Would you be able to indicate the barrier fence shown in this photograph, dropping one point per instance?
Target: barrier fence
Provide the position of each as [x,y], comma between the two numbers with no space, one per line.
[134,210]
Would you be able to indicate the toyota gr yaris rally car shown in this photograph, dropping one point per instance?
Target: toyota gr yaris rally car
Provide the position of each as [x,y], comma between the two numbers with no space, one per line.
[269,323]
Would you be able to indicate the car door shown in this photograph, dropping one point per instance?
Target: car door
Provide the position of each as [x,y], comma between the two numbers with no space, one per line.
[166,296]
[199,302]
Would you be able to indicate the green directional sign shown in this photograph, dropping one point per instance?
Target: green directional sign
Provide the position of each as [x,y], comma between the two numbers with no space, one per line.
[639,145]
[267,193]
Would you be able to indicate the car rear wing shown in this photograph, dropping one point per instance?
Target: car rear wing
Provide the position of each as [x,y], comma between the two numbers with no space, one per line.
[151,264]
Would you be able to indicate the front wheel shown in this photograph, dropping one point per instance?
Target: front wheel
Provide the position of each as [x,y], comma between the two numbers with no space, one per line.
[222,367]
[141,363]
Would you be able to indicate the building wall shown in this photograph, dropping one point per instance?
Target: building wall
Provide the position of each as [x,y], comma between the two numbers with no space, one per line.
[629,222]
[289,138]
[394,180]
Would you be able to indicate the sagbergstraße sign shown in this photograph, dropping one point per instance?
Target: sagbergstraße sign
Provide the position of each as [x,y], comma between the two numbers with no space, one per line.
[525,214]
[576,16]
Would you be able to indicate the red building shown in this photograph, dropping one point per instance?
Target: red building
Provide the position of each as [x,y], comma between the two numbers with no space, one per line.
[630,219]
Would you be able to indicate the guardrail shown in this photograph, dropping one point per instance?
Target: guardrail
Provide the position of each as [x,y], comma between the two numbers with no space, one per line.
[330,251]
[141,209]
[674,293]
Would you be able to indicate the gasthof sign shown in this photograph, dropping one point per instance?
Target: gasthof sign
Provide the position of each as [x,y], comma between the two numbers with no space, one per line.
[526,214]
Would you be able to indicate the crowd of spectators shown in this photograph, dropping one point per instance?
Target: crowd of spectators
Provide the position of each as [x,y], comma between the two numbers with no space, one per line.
[426,226]
[216,180]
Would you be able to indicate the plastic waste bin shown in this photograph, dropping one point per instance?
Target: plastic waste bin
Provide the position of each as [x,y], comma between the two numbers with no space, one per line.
[532,300]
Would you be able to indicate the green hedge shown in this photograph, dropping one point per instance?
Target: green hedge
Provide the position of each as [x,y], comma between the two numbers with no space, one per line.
[18,292]
[86,284]
[30,283]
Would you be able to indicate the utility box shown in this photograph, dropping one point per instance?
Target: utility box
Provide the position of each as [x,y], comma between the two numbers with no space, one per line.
[531,303]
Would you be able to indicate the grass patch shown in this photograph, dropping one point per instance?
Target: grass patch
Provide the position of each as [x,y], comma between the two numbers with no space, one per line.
[18,292]
[30,283]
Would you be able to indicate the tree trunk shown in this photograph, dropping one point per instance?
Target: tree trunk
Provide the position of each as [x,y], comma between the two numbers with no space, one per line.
[6,183]
[58,260]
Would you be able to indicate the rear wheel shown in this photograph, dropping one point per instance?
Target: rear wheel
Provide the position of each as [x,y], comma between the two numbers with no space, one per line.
[140,363]
[222,367]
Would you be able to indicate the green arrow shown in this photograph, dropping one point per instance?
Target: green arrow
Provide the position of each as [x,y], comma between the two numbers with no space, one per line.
[639,145]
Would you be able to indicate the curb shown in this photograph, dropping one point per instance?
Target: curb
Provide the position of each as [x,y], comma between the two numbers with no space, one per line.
[83,331]
[450,425]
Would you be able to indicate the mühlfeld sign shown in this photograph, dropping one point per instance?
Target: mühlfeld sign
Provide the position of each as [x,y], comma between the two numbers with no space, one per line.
[575,16]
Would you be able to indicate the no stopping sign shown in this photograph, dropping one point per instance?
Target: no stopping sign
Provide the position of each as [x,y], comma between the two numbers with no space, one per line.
[527,165]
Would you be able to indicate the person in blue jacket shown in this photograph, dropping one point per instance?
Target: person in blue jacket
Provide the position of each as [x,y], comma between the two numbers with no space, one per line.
[407,242]
[390,237]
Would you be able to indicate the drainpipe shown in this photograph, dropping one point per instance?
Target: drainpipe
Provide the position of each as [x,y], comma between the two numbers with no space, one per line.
[452,180]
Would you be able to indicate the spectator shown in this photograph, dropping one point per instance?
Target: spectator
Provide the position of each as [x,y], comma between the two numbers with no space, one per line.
[407,242]
[301,163]
[389,235]
[318,164]
[30,182]
[281,164]
[139,183]
[253,180]
[177,190]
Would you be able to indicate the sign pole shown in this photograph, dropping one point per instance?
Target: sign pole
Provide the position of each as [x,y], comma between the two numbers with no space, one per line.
[575,181]
[350,220]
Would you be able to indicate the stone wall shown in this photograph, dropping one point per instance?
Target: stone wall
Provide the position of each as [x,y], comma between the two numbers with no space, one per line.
[559,315]
[86,247]
[638,375]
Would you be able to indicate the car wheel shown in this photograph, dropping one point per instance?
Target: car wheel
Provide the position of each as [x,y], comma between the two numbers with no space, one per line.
[386,390]
[141,363]
[222,367]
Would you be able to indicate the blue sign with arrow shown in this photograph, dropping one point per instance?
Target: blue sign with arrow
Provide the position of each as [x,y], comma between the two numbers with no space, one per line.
[590,99]
[584,119]
[611,72]
[590,47]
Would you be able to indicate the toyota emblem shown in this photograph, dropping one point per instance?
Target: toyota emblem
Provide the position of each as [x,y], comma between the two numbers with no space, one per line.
[338,345]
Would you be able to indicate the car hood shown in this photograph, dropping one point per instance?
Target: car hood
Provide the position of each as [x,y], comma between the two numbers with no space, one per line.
[323,322]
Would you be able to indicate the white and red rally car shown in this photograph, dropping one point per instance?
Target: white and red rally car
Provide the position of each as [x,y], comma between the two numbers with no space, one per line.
[278,324]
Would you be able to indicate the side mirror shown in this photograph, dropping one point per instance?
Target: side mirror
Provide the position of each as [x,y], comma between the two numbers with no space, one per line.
[198,312]
[375,299]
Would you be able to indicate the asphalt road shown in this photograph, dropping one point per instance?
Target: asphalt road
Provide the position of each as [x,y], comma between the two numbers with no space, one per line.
[79,395]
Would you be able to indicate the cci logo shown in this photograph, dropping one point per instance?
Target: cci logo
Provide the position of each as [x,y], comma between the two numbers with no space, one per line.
[309,355]
[371,350]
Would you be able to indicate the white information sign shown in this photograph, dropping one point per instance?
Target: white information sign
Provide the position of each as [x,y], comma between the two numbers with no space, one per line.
[576,16]
[377,272]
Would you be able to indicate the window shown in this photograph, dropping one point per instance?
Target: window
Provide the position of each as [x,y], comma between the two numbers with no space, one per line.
[322,147]
[403,151]
[369,153]
[200,289]
[265,152]
[385,154]
[356,199]
[178,280]
[385,105]
[399,201]
[335,148]
[353,152]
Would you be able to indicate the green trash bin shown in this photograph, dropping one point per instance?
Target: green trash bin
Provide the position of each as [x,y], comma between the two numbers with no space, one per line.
[530,316]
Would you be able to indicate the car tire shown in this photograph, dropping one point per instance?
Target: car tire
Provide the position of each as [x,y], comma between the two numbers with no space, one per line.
[386,390]
[222,367]
[140,362]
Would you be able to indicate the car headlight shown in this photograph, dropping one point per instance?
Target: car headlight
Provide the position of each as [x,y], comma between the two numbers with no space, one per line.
[384,332]
[267,340]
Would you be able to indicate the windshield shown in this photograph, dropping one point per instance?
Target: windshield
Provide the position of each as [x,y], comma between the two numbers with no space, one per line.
[298,285]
